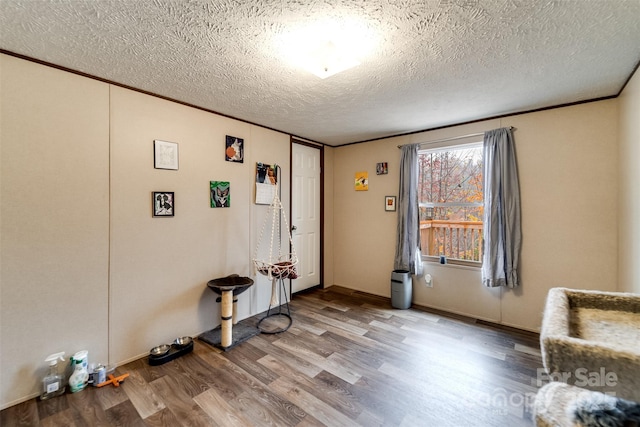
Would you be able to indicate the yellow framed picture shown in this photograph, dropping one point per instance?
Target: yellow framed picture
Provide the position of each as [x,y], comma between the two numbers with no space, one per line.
[362,181]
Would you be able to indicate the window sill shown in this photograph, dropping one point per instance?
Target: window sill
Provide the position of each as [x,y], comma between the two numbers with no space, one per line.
[455,263]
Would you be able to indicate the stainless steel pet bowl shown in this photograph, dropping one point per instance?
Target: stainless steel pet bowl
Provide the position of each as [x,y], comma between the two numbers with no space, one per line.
[183,341]
[160,350]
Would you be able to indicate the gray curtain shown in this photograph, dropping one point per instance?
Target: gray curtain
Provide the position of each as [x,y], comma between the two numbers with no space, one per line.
[502,233]
[408,255]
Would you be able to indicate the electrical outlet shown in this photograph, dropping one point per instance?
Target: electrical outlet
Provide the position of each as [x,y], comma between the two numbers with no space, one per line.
[428,280]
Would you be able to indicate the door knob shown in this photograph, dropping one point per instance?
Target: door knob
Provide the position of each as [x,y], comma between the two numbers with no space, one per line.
[294,228]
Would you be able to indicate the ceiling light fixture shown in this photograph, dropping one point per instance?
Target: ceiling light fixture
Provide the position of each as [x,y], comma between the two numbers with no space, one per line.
[328,48]
[329,59]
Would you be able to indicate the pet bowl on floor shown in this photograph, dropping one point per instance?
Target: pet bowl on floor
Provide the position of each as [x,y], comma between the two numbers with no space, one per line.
[160,350]
[183,341]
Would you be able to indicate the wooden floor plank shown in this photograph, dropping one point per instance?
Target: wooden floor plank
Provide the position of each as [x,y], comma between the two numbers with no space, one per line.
[219,410]
[50,406]
[261,414]
[321,317]
[62,418]
[163,418]
[349,358]
[142,395]
[124,415]
[111,396]
[327,364]
[174,397]
[314,406]
[325,385]
[86,409]
[22,414]
[301,365]
[247,359]
[259,395]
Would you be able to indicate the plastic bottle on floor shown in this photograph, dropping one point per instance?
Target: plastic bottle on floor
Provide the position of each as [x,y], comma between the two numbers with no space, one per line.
[80,376]
[52,383]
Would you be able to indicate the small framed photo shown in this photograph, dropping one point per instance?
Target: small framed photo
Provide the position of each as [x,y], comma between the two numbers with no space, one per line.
[390,203]
[220,194]
[234,149]
[165,155]
[382,168]
[163,203]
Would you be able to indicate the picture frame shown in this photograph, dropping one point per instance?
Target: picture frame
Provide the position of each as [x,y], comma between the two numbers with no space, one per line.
[266,182]
[165,155]
[390,203]
[382,168]
[234,149]
[220,194]
[361,182]
[164,204]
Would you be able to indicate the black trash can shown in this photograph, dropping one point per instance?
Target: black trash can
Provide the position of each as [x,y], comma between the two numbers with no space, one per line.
[401,289]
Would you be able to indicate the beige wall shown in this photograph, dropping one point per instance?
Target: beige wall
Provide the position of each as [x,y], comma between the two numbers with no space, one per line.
[54,235]
[568,166]
[567,160]
[160,266]
[84,265]
[629,190]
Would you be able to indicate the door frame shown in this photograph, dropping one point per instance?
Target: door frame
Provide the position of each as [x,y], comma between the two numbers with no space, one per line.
[293,140]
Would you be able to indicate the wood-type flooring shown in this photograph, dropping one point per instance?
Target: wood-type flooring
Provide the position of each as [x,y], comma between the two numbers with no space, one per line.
[348,359]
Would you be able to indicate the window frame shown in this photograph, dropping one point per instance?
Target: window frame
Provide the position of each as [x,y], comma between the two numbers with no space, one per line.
[435,259]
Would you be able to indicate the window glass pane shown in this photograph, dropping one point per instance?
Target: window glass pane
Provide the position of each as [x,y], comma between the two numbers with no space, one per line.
[451,206]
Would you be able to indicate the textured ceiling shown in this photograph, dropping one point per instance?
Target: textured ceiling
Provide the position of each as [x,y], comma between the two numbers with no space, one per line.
[434,63]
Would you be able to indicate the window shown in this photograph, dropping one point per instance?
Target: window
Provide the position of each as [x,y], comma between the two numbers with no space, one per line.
[451,206]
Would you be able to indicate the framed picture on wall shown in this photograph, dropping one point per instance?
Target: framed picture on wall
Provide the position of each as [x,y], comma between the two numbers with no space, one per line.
[382,168]
[390,203]
[220,194]
[234,149]
[361,181]
[266,181]
[163,203]
[165,155]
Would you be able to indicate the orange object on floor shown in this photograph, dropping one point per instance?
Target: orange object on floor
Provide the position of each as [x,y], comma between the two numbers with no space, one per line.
[114,380]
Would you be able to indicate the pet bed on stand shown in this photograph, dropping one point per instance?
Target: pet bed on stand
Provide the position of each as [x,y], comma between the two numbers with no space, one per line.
[589,343]
[277,265]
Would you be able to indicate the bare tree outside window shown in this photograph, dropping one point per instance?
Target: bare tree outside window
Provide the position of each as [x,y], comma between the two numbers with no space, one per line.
[451,205]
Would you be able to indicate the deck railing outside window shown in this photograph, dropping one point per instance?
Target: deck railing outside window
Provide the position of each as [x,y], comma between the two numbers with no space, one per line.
[454,239]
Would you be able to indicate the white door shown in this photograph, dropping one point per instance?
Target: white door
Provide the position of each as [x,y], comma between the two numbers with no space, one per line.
[305,214]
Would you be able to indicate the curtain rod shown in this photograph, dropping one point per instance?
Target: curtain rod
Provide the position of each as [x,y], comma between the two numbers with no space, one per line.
[453,138]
